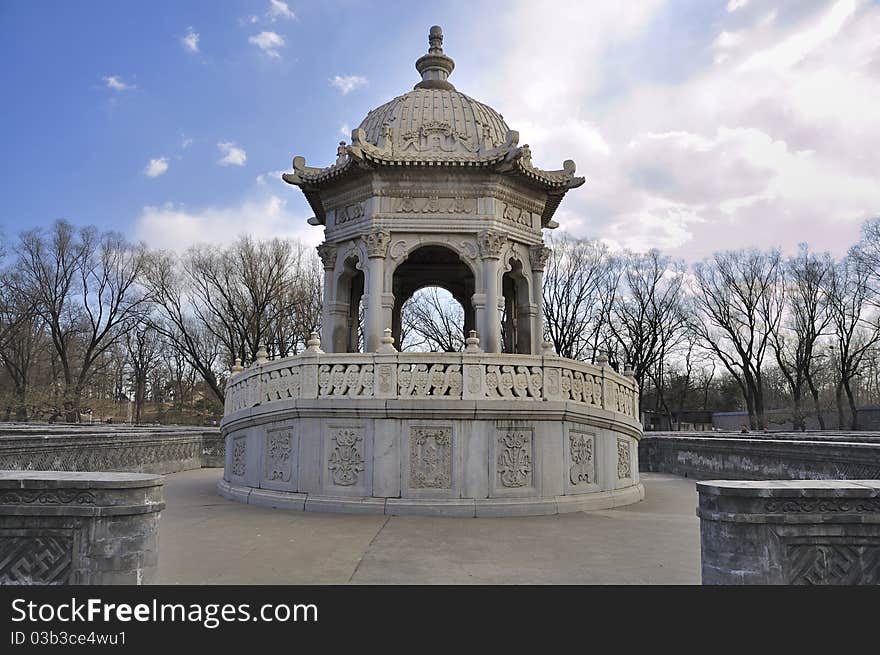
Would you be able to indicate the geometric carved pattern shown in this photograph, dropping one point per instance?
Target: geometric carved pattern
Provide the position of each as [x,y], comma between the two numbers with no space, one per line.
[35,560]
[346,460]
[103,457]
[278,445]
[430,459]
[833,564]
[581,454]
[624,460]
[515,458]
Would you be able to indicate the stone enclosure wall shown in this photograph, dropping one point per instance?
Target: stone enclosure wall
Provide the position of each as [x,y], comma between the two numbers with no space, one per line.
[774,457]
[28,447]
[79,528]
[793,532]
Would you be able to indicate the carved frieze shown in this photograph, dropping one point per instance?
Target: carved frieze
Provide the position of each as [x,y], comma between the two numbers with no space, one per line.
[430,457]
[517,215]
[514,458]
[349,213]
[346,461]
[434,204]
[624,460]
[435,136]
[581,468]
[60,497]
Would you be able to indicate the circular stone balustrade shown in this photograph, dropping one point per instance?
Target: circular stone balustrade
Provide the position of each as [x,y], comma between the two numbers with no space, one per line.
[458,434]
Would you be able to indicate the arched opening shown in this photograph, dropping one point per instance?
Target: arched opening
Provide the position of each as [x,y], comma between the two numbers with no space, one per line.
[432,320]
[516,321]
[433,266]
[348,333]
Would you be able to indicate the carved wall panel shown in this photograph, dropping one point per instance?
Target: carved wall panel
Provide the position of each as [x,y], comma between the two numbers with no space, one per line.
[278,455]
[624,459]
[582,466]
[430,457]
[239,456]
[345,460]
[514,459]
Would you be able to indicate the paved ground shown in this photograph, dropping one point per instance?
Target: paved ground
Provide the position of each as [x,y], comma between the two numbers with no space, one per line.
[205,539]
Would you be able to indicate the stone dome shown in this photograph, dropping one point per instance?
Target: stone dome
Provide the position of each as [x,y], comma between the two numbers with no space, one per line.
[434,121]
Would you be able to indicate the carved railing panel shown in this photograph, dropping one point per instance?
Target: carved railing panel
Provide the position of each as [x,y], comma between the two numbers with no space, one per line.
[470,376]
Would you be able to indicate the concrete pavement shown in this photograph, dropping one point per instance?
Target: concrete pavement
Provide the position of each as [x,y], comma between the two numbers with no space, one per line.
[205,539]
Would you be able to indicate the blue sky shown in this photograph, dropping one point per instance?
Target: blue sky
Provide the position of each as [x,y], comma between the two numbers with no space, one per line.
[698,124]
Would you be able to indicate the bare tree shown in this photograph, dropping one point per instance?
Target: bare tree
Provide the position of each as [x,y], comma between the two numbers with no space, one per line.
[738,298]
[855,331]
[805,319]
[648,317]
[432,320]
[85,289]
[142,345]
[580,283]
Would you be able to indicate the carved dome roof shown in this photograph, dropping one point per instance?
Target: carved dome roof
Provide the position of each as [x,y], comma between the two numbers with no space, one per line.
[432,123]
[434,120]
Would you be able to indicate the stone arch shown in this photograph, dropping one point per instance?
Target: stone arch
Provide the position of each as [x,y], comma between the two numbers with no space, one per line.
[345,312]
[517,322]
[433,264]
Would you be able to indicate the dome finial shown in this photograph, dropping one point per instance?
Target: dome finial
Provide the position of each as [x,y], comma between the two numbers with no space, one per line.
[435,67]
[435,40]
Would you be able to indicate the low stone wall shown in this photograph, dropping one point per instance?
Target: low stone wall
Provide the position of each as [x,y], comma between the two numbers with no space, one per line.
[749,457]
[812,532]
[26,447]
[59,527]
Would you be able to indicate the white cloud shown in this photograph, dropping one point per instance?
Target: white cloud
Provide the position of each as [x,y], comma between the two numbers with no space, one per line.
[156,167]
[177,227]
[348,83]
[115,83]
[774,142]
[268,42]
[733,5]
[191,40]
[264,179]
[232,154]
[345,130]
[279,9]
[185,141]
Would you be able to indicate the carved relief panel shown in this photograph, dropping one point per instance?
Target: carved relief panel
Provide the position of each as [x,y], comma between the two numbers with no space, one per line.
[430,457]
[278,455]
[624,459]
[347,466]
[513,462]
[581,471]
[239,456]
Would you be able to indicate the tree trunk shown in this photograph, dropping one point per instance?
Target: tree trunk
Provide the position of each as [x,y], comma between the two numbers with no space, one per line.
[838,394]
[814,392]
[854,418]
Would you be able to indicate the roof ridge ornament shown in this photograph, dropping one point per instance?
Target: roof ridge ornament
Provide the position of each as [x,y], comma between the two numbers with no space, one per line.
[435,67]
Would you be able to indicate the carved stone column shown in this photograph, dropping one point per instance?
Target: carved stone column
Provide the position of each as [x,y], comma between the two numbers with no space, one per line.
[327,253]
[538,255]
[491,244]
[377,248]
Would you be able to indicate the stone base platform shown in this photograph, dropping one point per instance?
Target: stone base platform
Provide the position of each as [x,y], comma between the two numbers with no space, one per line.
[463,507]
[435,434]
